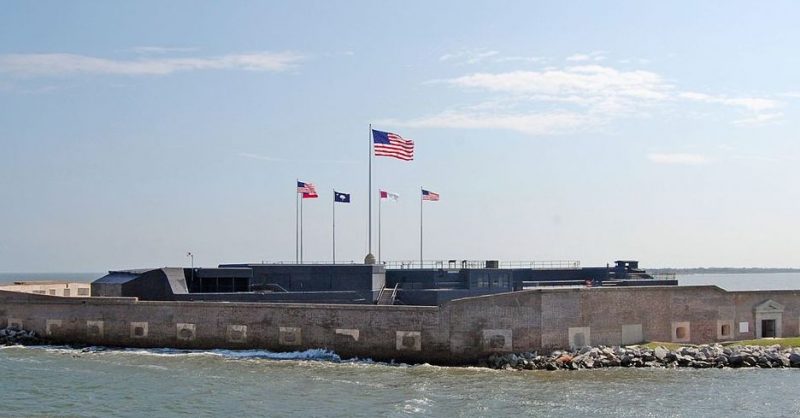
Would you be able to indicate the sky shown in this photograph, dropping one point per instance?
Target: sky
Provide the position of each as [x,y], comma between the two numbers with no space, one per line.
[133,133]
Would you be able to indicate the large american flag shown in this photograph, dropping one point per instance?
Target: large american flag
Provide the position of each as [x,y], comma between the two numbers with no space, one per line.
[428,195]
[307,189]
[387,144]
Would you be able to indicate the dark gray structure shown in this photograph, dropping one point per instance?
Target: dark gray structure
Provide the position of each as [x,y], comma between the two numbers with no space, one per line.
[350,284]
[357,283]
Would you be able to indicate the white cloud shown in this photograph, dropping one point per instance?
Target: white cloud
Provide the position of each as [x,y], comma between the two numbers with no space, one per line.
[589,80]
[759,119]
[160,49]
[684,159]
[755,104]
[520,58]
[556,122]
[595,56]
[66,64]
[469,56]
[556,100]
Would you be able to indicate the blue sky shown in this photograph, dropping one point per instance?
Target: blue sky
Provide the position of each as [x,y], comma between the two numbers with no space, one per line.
[133,133]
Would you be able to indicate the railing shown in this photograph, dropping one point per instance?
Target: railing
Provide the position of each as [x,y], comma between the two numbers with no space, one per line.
[480,264]
[394,294]
[454,264]
[383,300]
[663,276]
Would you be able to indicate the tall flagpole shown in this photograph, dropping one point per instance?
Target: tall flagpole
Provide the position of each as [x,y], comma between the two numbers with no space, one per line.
[380,201]
[301,230]
[334,226]
[421,265]
[296,225]
[370,259]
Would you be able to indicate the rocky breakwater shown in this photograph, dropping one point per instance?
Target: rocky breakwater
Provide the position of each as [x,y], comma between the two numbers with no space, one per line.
[13,336]
[699,357]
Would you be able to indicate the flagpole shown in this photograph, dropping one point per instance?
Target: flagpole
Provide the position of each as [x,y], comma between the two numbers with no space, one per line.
[369,259]
[301,230]
[296,225]
[334,226]
[421,264]
[380,201]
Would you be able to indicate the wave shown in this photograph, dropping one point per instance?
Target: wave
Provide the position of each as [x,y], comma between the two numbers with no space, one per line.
[315,354]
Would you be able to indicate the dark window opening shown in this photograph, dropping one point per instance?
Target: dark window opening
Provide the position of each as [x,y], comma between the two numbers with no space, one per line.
[725,330]
[768,328]
[680,333]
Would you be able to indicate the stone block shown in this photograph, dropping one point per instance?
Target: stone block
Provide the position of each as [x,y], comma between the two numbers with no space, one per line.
[497,340]
[681,332]
[632,334]
[236,333]
[579,337]
[94,329]
[290,336]
[408,340]
[724,329]
[185,332]
[52,327]
[349,332]
[139,329]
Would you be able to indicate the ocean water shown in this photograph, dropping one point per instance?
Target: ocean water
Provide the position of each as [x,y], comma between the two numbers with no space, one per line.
[57,381]
[98,382]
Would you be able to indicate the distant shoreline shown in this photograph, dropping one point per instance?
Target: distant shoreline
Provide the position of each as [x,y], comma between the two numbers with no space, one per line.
[723,270]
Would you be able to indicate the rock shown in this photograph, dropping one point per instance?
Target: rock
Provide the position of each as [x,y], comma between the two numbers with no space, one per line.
[783,360]
[660,353]
[564,359]
[794,359]
[736,360]
[551,366]
[625,360]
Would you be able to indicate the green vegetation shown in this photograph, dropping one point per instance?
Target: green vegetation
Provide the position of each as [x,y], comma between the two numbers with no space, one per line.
[763,342]
[668,346]
[766,342]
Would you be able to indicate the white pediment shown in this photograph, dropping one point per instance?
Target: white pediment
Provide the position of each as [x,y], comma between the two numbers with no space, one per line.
[769,306]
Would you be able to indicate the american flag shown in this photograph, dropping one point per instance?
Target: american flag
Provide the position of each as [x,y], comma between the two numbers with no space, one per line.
[387,144]
[428,195]
[307,189]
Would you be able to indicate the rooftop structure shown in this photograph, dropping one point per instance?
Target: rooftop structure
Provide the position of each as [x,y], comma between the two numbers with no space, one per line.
[425,284]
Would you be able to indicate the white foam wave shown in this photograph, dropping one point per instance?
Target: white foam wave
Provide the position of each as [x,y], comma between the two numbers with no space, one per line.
[317,354]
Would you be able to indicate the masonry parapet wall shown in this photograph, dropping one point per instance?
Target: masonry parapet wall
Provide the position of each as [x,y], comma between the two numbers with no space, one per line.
[459,332]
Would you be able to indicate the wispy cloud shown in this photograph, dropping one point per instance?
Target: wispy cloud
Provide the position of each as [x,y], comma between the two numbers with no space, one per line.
[683,159]
[469,56]
[556,122]
[595,56]
[70,64]
[160,49]
[572,98]
[755,104]
[261,157]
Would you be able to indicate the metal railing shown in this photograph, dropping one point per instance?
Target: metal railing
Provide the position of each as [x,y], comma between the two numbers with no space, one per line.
[663,276]
[454,264]
[479,264]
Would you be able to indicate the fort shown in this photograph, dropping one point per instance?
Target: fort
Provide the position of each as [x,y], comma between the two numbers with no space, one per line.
[460,328]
